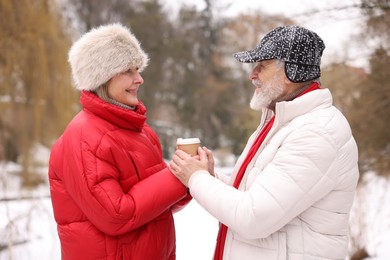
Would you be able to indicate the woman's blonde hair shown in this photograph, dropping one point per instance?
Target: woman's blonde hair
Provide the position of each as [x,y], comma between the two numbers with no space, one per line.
[102,93]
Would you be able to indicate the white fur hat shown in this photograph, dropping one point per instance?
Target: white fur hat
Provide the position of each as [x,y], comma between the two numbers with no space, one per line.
[102,53]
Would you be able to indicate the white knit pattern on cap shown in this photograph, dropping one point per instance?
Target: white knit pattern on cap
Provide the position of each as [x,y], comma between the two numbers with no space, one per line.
[102,53]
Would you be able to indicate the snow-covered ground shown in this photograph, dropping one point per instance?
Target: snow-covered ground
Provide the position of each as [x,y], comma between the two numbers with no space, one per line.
[33,226]
[28,230]
[370,217]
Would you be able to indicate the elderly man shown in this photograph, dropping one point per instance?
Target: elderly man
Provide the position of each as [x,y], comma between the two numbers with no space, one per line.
[292,188]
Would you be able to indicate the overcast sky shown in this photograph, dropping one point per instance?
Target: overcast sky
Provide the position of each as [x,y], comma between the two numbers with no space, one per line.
[335,27]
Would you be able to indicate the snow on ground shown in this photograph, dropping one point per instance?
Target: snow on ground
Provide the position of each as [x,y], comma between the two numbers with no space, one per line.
[370,216]
[196,233]
[29,223]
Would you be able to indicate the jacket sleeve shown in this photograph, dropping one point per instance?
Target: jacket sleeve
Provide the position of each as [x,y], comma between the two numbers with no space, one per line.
[293,180]
[181,204]
[93,185]
[223,177]
[154,195]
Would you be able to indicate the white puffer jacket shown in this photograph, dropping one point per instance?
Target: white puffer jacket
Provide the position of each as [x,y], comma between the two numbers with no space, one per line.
[294,200]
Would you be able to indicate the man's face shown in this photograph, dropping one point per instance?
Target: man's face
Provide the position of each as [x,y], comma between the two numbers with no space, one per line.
[268,80]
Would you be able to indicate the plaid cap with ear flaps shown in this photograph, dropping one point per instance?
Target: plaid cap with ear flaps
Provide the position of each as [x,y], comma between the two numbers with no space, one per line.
[300,48]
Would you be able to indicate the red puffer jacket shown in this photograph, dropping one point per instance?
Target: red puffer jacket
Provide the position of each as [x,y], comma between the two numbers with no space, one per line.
[111,191]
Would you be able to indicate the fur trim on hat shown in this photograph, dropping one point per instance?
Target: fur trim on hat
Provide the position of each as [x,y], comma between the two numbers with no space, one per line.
[102,53]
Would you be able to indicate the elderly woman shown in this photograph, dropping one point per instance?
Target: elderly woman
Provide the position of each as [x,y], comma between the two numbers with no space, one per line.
[112,193]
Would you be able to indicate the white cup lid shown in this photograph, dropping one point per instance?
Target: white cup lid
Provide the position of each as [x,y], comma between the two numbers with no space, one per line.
[181,141]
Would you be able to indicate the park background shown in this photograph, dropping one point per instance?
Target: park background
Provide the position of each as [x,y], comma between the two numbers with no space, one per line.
[193,87]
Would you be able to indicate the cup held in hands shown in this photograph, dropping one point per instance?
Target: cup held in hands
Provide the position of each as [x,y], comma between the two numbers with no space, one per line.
[188,145]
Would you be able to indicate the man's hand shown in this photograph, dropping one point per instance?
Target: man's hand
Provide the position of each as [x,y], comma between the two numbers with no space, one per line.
[183,166]
[210,160]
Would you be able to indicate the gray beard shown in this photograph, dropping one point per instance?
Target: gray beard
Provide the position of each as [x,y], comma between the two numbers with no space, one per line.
[267,94]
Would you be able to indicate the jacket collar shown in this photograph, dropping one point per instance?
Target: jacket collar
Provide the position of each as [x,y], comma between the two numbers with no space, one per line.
[285,111]
[121,117]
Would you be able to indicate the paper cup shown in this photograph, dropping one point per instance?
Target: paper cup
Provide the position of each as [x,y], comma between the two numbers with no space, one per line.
[188,145]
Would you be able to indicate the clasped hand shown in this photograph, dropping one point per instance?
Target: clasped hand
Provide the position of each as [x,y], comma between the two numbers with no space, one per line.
[183,166]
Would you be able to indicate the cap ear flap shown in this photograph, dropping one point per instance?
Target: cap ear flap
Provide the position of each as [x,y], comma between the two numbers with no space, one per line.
[286,79]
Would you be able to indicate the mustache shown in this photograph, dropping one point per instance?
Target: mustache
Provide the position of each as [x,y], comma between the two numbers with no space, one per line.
[257,83]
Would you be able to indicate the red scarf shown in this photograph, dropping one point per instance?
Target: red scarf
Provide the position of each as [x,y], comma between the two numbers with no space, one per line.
[218,254]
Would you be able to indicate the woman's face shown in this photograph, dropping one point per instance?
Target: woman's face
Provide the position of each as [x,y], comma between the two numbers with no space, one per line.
[124,87]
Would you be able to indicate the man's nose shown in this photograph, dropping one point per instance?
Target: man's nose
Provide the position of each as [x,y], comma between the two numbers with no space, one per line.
[252,75]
